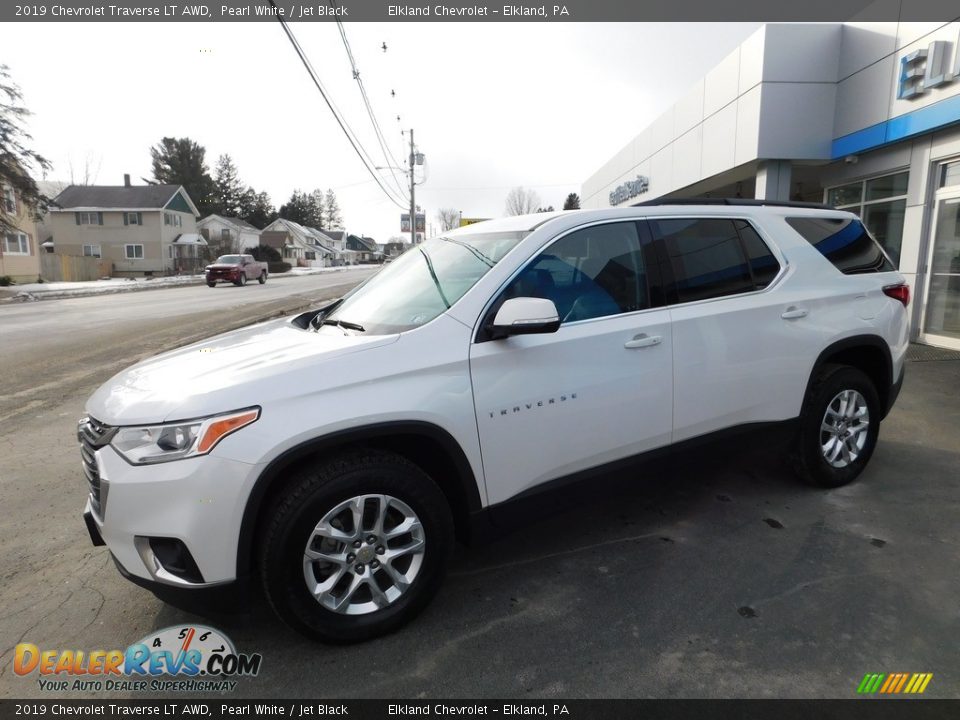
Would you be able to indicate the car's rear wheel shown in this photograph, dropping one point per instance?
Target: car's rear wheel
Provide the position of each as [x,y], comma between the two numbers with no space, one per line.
[839,426]
[356,547]
[263,278]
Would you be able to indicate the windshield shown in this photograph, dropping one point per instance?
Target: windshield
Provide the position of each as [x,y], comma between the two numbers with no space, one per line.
[229,259]
[421,283]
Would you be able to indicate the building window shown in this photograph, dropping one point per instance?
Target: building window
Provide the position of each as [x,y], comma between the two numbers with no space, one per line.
[16,244]
[225,235]
[133,252]
[132,218]
[950,175]
[172,219]
[89,218]
[881,203]
[9,201]
[91,251]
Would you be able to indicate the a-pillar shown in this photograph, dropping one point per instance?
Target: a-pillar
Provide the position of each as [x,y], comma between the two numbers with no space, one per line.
[773,180]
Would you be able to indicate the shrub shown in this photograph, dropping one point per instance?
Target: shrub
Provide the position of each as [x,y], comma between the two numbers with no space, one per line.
[265,253]
[5,281]
[278,267]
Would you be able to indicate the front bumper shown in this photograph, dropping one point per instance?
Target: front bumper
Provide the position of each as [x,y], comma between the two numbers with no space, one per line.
[195,505]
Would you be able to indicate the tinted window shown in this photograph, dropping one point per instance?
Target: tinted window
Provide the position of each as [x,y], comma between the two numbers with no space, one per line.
[844,242]
[589,273]
[763,265]
[705,256]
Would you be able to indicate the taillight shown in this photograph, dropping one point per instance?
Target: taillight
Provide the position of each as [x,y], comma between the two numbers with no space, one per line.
[898,292]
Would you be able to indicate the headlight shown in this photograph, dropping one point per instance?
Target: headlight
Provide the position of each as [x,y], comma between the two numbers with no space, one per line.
[173,441]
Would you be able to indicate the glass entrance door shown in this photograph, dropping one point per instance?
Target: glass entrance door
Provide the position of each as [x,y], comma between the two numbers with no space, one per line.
[941,322]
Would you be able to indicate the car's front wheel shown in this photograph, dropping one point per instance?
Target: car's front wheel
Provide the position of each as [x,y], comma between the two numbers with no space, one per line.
[356,547]
[211,284]
[839,426]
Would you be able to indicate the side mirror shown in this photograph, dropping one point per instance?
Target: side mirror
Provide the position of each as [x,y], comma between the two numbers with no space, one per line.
[525,316]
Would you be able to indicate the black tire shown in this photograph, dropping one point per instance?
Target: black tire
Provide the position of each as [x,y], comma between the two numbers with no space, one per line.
[310,495]
[263,277]
[242,280]
[809,461]
[211,284]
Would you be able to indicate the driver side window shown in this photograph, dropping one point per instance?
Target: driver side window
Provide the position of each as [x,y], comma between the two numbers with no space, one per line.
[593,272]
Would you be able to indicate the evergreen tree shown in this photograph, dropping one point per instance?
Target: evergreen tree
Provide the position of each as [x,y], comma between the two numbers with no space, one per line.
[16,159]
[572,202]
[257,208]
[181,161]
[229,193]
[331,211]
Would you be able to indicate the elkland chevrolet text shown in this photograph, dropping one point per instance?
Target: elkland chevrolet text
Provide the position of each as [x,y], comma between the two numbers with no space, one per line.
[336,456]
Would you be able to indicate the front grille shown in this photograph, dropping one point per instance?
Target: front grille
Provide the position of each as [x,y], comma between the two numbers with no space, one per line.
[93,434]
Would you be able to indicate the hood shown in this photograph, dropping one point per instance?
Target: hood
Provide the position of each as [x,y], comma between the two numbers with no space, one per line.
[222,266]
[234,370]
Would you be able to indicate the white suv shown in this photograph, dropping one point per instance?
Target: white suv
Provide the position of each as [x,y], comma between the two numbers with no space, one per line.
[336,456]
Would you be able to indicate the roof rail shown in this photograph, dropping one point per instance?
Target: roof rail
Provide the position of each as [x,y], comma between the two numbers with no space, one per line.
[734,201]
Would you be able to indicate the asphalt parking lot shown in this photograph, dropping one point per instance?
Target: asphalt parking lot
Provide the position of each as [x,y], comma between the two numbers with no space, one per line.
[714,576]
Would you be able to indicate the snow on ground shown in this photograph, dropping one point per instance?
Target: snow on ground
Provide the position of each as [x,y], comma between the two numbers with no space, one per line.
[38,291]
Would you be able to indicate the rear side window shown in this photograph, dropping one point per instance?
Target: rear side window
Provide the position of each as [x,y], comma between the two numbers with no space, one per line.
[845,242]
[714,257]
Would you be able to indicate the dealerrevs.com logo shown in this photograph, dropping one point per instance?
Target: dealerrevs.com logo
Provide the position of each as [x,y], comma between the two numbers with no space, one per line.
[181,658]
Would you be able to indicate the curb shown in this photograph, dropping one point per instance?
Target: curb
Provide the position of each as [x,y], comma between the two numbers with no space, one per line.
[36,296]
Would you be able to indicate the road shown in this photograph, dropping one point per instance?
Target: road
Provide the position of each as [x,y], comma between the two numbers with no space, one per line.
[717,575]
[51,346]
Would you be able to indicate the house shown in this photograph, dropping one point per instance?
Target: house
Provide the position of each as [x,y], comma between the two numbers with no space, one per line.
[366,249]
[142,229]
[301,245]
[339,238]
[395,249]
[228,234]
[19,251]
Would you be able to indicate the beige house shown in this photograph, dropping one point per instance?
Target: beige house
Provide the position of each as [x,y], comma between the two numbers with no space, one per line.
[142,230]
[19,259]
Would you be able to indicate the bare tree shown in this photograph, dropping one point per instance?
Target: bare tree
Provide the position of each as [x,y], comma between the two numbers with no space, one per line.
[88,174]
[521,201]
[448,218]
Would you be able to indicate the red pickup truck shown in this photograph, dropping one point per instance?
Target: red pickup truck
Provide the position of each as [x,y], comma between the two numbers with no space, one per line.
[236,269]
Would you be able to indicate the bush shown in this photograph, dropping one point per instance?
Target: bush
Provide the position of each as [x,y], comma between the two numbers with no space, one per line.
[265,253]
[278,267]
[6,281]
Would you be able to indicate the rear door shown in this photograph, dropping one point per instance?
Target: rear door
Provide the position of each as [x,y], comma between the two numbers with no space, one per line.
[742,349]
[599,388]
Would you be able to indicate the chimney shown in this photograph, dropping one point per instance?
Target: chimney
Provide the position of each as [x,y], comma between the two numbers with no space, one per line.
[126,179]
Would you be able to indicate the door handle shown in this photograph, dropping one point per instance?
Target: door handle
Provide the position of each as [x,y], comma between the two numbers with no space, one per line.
[643,340]
[794,313]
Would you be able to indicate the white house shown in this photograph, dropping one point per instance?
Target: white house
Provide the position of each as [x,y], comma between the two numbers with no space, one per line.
[301,245]
[228,234]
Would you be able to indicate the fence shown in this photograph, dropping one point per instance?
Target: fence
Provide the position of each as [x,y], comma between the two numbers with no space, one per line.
[57,268]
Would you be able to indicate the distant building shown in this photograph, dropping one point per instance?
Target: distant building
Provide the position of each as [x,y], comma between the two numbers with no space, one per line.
[142,230]
[301,245]
[19,251]
[228,234]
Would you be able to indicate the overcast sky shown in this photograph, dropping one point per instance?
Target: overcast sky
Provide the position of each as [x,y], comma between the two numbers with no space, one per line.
[493,105]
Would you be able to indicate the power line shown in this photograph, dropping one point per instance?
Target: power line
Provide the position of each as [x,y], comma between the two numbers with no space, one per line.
[388,157]
[354,143]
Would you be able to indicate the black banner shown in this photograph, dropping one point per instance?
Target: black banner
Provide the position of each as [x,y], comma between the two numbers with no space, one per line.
[480,11]
[865,709]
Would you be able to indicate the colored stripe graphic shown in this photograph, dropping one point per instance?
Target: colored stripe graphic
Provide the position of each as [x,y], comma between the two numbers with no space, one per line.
[894,683]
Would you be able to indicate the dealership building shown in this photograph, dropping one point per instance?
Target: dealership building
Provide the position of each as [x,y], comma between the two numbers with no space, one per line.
[861,116]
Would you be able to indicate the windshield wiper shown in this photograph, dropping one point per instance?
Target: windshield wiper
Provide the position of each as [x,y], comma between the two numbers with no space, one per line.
[479,255]
[433,274]
[344,324]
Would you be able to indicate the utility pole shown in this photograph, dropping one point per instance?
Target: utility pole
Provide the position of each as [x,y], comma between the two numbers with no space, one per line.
[413,204]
